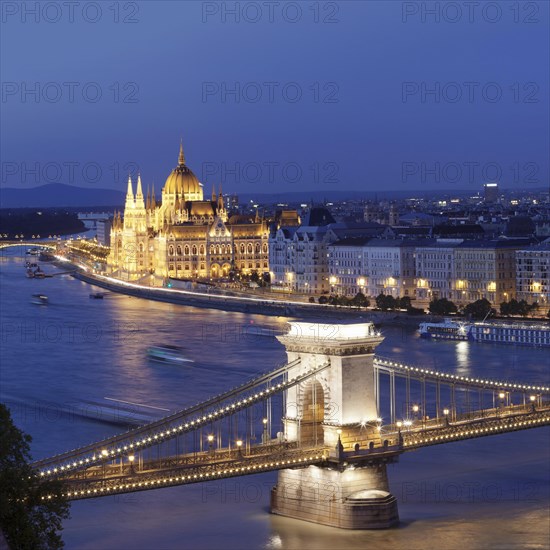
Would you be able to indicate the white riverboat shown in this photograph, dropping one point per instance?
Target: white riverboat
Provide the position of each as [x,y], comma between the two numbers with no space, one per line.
[168,354]
[40,300]
[521,334]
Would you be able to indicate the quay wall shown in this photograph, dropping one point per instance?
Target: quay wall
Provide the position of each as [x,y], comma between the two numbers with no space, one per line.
[263,307]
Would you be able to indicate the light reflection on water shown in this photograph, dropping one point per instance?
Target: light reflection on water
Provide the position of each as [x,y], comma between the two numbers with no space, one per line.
[487,493]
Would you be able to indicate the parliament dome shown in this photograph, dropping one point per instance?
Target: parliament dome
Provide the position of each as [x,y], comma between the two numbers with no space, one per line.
[183,181]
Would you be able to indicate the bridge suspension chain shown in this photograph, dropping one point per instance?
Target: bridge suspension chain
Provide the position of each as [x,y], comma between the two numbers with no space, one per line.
[154,438]
[163,423]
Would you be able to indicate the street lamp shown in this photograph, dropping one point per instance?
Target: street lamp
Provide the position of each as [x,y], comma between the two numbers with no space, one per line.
[265,435]
[210,439]
[446,415]
[131,459]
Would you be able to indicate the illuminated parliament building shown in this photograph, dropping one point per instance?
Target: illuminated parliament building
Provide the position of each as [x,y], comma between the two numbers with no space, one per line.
[184,236]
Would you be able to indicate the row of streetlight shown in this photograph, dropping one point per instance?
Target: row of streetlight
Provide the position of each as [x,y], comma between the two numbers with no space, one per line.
[209,438]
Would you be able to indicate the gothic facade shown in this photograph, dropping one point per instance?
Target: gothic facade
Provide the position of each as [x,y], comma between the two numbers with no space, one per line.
[184,236]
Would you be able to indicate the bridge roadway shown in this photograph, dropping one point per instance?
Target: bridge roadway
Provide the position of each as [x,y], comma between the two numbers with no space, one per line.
[124,477]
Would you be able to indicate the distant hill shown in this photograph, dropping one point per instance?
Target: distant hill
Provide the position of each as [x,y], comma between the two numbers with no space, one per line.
[59,194]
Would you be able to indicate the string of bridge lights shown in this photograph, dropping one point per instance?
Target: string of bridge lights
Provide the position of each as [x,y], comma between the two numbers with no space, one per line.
[448,377]
[191,478]
[145,442]
[424,441]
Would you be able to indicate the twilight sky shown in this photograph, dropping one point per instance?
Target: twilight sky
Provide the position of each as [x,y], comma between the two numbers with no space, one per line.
[359,95]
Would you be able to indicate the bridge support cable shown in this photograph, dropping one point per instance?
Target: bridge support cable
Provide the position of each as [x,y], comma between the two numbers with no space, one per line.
[163,422]
[432,375]
[153,438]
[419,393]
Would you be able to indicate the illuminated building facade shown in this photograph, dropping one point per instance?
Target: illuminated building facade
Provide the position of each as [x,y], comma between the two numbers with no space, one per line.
[184,236]
[533,274]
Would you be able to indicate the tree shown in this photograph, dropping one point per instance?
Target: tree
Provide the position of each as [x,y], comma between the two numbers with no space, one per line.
[513,307]
[26,520]
[323,299]
[385,302]
[548,314]
[312,299]
[479,309]
[405,303]
[343,301]
[442,306]
[360,300]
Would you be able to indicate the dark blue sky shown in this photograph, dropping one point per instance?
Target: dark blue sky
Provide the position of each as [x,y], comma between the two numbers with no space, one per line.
[362,121]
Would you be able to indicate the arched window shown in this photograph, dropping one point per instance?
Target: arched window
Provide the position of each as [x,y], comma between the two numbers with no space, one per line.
[179,250]
[242,248]
[264,248]
[217,249]
[194,250]
[171,252]
[257,247]
[186,250]
[211,249]
[141,247]
[201,250]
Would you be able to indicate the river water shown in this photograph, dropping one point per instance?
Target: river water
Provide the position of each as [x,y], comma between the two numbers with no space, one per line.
[487,493]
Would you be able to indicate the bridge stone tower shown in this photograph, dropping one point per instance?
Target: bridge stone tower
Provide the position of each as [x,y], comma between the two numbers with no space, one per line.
[337,409]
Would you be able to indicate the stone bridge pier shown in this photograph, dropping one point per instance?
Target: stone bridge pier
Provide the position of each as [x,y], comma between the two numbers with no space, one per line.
[336,408]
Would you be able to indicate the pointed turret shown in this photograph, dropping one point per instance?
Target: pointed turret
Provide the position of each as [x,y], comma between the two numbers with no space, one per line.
[139,190]
[153,198]
[181,158]
[257,217]
[214,198]
[130,190]
[148,200]
[130,194]
[139,194]
[220,199]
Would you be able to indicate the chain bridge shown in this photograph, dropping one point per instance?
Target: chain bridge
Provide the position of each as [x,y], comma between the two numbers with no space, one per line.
[344,415]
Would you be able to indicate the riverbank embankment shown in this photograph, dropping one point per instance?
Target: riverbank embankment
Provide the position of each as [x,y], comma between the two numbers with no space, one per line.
[252,305]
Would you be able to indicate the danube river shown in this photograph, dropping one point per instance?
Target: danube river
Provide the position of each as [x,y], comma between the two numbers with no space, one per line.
[487,493]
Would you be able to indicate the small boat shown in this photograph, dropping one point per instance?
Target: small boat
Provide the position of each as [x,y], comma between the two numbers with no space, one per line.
[96,296]
[40,299]
[168,354]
